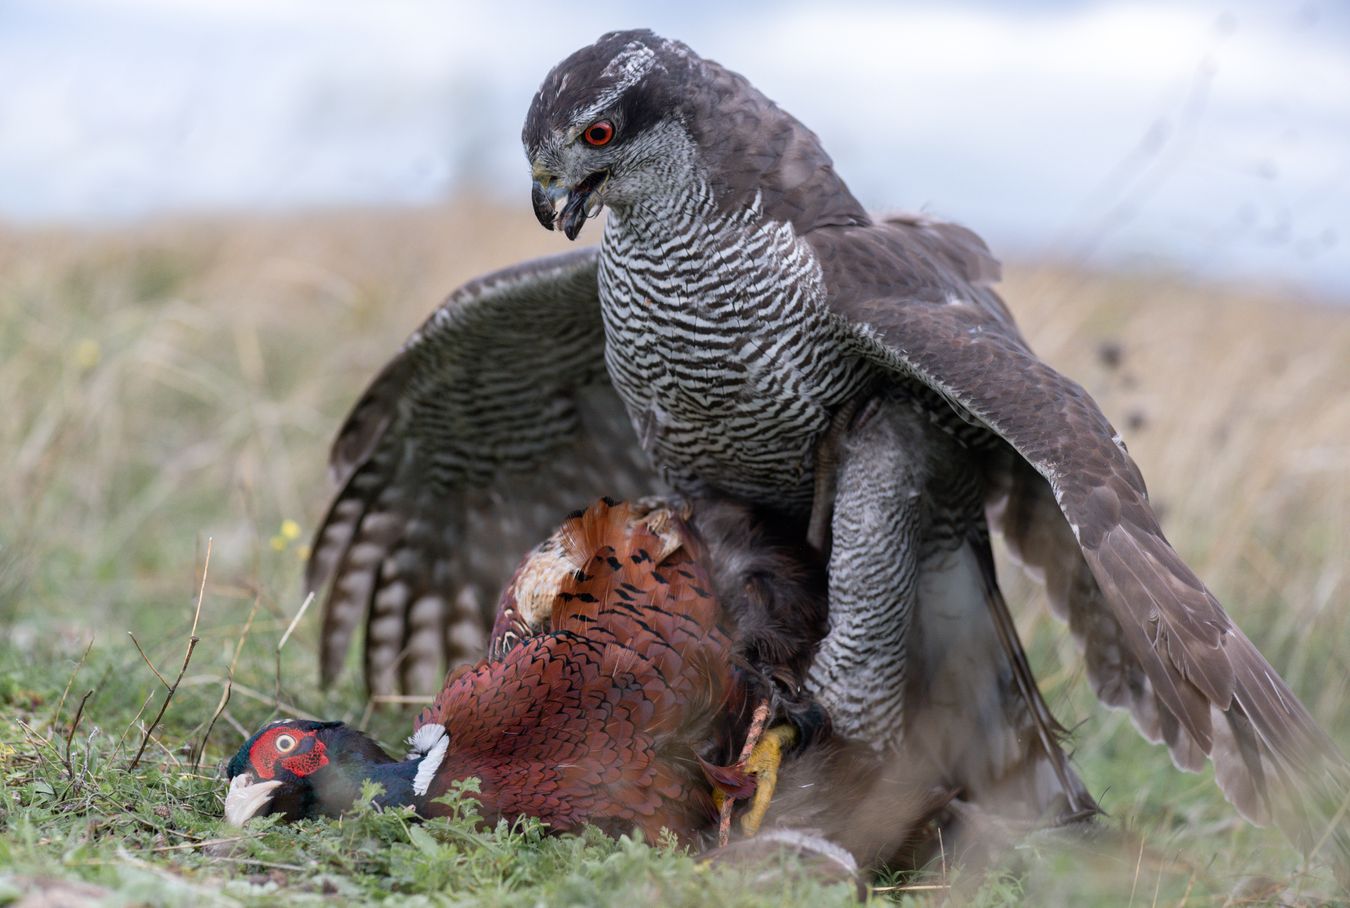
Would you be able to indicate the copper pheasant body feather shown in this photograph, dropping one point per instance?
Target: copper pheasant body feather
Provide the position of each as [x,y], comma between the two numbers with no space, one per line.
[606,717]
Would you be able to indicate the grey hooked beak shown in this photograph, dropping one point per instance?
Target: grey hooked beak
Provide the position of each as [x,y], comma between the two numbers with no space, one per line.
[246,798]
[545,201]
[580,203]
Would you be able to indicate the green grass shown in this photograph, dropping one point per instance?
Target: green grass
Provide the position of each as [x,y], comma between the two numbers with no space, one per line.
[175,384]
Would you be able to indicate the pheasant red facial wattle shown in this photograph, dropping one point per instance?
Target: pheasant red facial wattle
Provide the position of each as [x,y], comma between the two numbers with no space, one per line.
[298,752]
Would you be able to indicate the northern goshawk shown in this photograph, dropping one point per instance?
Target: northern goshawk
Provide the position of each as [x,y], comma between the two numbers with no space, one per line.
[747,329]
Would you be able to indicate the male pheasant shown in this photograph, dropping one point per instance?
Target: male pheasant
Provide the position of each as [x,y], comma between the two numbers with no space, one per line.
[619,692]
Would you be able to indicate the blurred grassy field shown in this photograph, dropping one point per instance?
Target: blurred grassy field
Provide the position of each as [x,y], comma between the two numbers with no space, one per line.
[168,384]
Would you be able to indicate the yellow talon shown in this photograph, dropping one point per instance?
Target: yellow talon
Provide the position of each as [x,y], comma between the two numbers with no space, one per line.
[763,762]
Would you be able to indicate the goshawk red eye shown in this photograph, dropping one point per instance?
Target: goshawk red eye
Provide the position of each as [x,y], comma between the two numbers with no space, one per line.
[599,133]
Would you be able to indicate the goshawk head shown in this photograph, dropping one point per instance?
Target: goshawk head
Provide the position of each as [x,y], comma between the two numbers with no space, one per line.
[642,123]
[609,125]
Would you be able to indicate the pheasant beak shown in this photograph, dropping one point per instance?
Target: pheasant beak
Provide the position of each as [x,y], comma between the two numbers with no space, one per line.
[246,798]
[581,202]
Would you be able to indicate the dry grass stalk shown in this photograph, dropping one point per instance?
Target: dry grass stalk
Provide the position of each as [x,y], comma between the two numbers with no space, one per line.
[193,639]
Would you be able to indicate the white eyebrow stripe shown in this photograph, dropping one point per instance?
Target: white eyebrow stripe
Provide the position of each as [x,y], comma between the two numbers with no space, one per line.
[627,68]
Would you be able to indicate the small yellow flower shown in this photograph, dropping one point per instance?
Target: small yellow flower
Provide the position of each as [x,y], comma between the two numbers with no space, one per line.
[87,354]
[302,552]
[279,542]
[290,530]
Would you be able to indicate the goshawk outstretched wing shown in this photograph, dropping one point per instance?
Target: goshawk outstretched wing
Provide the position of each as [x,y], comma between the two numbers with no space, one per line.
[1075,509]
[496,417]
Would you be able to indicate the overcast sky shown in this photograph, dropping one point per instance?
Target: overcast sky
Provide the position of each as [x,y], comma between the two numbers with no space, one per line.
[1209,136]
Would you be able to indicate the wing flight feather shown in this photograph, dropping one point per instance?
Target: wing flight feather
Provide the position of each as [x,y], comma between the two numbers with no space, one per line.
[495,417]
[1156,639]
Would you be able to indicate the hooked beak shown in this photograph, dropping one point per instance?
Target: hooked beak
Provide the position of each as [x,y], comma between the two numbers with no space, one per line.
[246,799]
[581,203]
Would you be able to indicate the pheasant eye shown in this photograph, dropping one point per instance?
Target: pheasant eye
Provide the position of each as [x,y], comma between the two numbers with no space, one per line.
[599,133]
[285,743]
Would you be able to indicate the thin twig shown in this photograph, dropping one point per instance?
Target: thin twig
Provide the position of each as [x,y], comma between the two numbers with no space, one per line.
[229,682]
[187,846]
[162,680]
[402,698]
[75,723]
[296,620]
[71,680]
[136,718]
[273,865]
[167,752]
[77,784]
[1137,864]
[304,606]
[259,696]
[234,723]
[201,590]
[1186,896]
[187,657]
[1334,825]
[37,740]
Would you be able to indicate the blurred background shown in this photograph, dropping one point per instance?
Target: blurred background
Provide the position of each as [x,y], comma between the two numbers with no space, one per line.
[1207,137]
[220,218]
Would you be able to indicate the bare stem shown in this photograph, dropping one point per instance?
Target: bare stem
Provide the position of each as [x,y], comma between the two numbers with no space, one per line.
[259,696]
[187,658]
[304,606]
[75,723]
[71,680]
[227,687]
[294,621]
[162,680]
[140,712]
